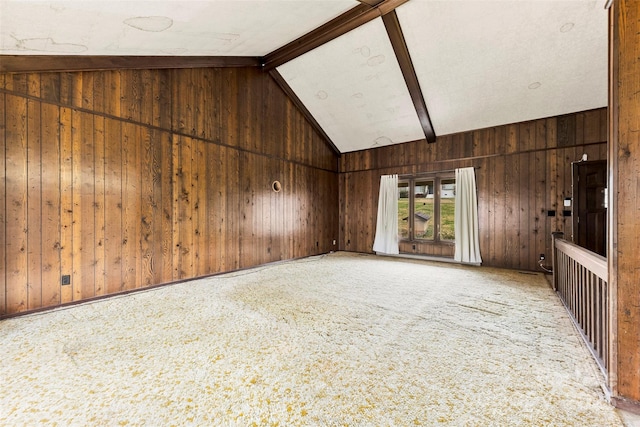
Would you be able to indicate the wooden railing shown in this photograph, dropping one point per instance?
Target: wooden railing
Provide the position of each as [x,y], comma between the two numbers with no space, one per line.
[580,278]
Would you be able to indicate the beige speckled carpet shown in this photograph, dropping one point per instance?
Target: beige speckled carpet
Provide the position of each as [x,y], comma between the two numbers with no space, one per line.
[336,340]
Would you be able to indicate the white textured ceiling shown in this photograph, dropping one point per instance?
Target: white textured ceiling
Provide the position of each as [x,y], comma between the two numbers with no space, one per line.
[487,63]
[480,63]
[187,27]
[354,88]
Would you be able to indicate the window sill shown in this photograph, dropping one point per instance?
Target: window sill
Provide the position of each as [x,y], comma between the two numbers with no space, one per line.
[429,242]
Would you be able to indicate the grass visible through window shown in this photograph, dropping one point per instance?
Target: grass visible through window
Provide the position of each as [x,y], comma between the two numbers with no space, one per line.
[424,203]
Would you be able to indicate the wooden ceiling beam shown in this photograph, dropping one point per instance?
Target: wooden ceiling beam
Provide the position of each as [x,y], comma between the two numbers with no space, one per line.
[303,109]
[344,23]
[394,31]
[372,3]
[62,63]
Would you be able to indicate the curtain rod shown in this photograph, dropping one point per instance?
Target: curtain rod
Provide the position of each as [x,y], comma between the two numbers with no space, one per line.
[409,175]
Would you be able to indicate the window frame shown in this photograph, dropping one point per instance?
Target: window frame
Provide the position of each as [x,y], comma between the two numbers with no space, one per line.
[436,178]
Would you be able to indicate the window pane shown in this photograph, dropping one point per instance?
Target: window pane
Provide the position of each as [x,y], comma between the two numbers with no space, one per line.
[423,215]
[447,209]
[403,210]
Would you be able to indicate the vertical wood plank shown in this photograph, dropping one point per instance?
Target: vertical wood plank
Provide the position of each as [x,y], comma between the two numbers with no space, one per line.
[76,89]
[113,88]
[213,195]
[201,105]
[190,97]
[87,204]
[147,99]
[266,208]
[131,201]
[552,174]
[51,244]
[87,90]
[201,232]
[157,215]
[245,212]
[541,231]
[177,123]
[230,108]
[177,205]
[161,104]
[624,224]
[233,195]
[258,222]
[592,126]
[17,83]
[165,213]
[113,206]
[592,151]
[277,219]
[99,203]
[580,136]
[604,125]
[148,202]
[3,194]
[50,87]
[216,206]
[485,207]
[195,194]
[33,85]
[16,204]
[503,215]
[522,194]
[34,201]
[98,91]
[130,95]
[571,154]
[76,208]
[183,197]
[66,89]
[512,136]
[188,196]
[66,203]
[561,162]
[83,223]
[212,117]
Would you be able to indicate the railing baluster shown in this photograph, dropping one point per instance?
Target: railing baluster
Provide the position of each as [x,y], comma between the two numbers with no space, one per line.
[580,279]
[591,309]
[605,324]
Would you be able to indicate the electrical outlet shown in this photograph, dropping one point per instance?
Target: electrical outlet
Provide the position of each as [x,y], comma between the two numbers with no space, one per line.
[541,257]
[66,279]
[334,241]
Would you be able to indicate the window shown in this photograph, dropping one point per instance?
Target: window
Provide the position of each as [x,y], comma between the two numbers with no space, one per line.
[426,208]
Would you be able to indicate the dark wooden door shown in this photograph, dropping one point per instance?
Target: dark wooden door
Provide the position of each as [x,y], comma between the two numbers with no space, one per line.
[589,211]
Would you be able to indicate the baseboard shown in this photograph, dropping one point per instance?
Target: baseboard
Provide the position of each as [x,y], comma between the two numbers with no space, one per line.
[626,404]
[145,288]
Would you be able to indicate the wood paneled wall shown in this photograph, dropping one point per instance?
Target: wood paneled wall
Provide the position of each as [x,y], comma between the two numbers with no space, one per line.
[524,170]
[126,179]
[624,220]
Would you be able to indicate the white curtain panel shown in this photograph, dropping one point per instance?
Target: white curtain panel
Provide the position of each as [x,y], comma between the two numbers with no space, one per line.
[386,240]
[466,218]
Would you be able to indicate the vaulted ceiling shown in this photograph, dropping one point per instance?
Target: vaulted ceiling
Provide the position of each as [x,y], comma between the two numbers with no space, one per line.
[369,73]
